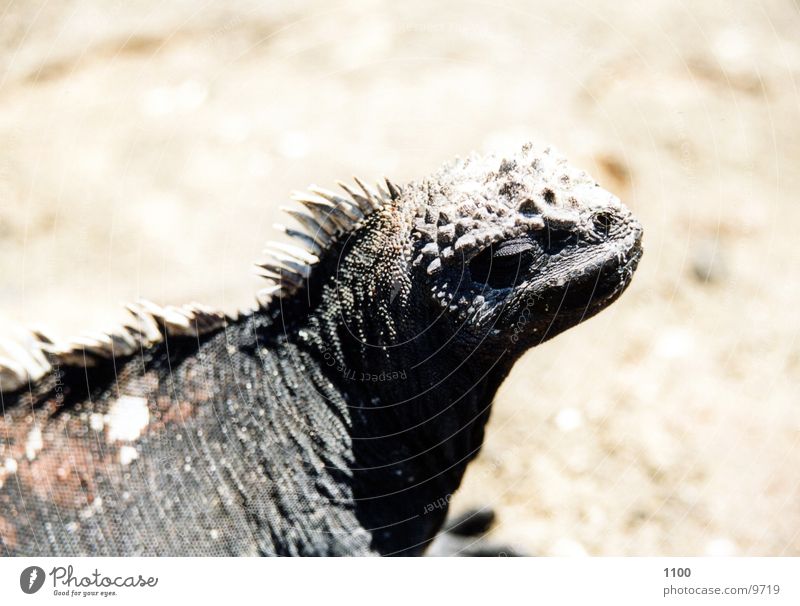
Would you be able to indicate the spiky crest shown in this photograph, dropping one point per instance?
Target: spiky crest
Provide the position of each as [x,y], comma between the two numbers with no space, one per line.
[324,216]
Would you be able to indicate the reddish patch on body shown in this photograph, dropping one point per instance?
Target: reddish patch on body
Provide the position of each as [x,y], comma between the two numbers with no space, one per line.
[18,421]
[62,471]
[62,474]
[8,534]
[174,412]
[169,411]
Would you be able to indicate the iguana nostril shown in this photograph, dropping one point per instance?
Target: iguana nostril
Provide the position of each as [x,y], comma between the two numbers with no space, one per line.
[529,208]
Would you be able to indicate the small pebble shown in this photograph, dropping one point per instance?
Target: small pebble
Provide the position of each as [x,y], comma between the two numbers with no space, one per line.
[707,262]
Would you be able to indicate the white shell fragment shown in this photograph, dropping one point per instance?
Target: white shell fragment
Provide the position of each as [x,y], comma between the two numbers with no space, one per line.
[34,443]
[126,419]
[127,454]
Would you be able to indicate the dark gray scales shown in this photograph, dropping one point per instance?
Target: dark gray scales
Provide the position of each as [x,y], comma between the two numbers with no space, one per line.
[331,417]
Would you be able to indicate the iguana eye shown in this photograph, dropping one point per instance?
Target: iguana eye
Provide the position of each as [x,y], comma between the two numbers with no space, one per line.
[502,264]
[512,247]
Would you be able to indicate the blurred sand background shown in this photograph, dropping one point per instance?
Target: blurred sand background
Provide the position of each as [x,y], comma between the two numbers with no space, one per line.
[145,148]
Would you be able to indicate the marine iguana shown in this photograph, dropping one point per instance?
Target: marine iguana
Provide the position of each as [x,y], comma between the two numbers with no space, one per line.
[337,415]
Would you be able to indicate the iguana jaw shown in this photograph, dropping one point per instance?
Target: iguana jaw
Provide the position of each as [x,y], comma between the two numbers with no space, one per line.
[597,278]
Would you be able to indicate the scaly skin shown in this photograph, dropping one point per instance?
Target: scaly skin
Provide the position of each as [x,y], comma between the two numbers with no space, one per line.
[330,420]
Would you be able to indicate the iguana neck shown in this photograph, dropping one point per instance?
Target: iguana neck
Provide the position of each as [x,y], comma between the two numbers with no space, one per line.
[416,407]
[412,432]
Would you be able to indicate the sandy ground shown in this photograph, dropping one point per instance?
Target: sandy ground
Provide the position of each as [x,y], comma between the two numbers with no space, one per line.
[145,150]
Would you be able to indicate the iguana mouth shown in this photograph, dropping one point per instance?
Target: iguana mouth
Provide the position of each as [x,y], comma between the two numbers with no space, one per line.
[596,281]
[601,282]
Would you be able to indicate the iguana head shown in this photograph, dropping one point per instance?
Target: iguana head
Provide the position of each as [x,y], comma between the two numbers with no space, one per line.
[504,252]
[515,250]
